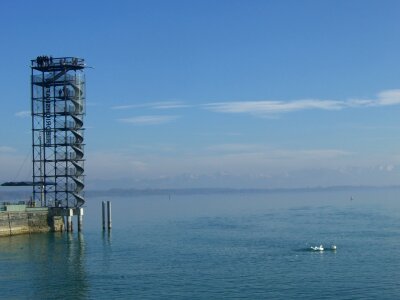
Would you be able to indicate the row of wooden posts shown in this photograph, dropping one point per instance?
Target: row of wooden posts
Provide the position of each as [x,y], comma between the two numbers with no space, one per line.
[68,213]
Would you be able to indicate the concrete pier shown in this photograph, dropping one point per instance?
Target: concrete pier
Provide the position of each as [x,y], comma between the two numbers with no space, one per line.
[20,219]
[68,213]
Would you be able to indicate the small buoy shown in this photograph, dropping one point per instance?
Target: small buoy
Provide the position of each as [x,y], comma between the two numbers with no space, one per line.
[333,247]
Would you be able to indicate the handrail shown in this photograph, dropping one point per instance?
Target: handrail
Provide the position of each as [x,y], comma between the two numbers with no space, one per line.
[49,61]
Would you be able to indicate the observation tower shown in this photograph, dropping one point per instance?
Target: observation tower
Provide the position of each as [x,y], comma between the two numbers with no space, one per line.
[57,109]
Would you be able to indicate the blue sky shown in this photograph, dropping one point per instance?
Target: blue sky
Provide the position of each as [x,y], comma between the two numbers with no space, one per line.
[216,93]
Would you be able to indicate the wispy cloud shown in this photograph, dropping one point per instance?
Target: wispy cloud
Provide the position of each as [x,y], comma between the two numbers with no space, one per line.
[149,120]
[228,149]
[233,148]
[323,153]
[387,168]
[153,105]
[6,149]
[169,105]
[269,107]
[23,114]
[390,97]
[384,98]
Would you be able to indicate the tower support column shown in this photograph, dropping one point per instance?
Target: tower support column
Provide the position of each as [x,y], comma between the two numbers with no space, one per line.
[80,219]
[69,214]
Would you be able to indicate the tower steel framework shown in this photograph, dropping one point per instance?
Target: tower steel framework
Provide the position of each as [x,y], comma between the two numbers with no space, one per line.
[57,109]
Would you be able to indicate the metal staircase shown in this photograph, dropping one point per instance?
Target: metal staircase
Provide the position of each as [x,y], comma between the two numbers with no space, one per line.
[58,96]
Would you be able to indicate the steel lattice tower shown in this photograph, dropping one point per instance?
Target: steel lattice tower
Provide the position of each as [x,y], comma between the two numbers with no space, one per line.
[58,107]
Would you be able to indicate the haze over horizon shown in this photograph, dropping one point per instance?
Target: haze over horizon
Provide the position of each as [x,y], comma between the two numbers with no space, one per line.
[241,94]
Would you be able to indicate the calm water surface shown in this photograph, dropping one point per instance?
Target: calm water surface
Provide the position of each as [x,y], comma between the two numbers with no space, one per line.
[252,246]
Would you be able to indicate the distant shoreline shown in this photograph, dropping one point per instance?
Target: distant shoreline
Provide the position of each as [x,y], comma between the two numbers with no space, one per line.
[208,191]
[122,192]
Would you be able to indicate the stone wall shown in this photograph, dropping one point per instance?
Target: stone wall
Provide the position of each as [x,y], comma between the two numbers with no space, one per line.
[12,223]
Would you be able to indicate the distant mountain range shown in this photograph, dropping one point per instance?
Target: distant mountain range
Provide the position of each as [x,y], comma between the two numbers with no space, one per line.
[15,195]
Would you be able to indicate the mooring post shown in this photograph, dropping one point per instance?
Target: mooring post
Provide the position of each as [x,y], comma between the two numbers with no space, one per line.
[70,213]
[80,218]
[109,214]
[103,213]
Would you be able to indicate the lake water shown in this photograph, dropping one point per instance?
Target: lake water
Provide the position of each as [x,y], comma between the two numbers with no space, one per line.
[235,246]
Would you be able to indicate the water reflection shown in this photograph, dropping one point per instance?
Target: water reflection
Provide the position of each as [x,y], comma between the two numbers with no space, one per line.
[107,251]
[43,266]
[107,237]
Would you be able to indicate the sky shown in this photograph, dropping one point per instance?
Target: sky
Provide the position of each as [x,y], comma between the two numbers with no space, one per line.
[240,94]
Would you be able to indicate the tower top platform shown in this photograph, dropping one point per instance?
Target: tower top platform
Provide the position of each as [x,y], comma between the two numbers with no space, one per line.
[49,63]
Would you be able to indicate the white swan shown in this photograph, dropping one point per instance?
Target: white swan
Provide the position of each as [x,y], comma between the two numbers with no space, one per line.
[318,248]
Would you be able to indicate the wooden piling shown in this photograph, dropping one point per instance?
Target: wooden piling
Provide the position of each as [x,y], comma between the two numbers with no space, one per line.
[109,214]
[103,213]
